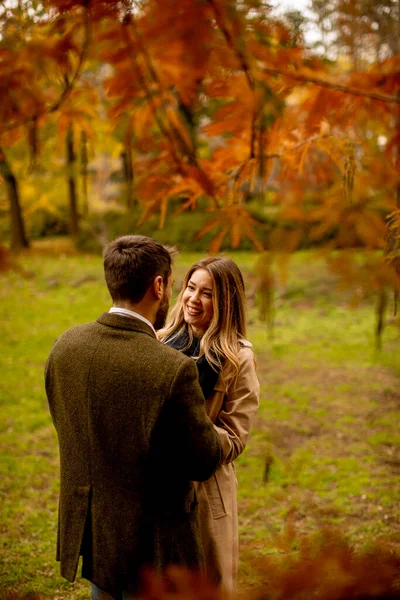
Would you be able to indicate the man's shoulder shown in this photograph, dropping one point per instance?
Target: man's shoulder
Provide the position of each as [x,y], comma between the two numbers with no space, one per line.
[150,347]
[171,355]
[76,333]
[78,330]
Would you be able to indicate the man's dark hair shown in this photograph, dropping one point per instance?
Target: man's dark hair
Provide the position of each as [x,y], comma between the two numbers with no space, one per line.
[131,263]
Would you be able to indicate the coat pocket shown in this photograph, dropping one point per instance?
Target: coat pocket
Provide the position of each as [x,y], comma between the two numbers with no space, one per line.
[214,497]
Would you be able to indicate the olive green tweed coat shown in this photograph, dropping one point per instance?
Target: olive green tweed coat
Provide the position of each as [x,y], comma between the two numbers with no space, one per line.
[133,433]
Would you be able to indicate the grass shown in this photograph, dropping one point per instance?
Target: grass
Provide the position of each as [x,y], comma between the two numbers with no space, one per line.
[325,449]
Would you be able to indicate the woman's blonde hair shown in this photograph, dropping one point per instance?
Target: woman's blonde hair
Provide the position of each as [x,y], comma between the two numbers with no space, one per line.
[221,341]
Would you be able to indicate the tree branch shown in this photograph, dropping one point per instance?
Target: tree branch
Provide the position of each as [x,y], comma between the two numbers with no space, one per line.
[230,41]
[142,79]
[333,86]
[69,84]
[174,133]
[243,65]
[156,79]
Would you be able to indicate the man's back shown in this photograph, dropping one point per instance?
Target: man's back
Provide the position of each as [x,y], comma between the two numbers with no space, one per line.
[132,431]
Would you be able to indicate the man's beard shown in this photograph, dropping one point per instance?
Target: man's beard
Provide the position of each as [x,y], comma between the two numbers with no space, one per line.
[162,313]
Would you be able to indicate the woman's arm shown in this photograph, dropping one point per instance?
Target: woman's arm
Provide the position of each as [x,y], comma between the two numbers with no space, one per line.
[240,405]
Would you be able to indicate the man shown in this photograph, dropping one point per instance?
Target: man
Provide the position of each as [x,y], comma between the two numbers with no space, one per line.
[132,431]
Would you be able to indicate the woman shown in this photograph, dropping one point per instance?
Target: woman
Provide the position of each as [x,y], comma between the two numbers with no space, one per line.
[208,323]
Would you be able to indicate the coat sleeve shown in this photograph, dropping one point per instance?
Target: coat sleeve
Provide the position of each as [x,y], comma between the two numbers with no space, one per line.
[191,442]
[239,408]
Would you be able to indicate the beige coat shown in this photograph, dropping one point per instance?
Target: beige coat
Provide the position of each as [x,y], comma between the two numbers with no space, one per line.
[232,410]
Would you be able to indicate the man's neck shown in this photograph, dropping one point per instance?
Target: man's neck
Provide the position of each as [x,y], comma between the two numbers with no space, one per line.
[139,309]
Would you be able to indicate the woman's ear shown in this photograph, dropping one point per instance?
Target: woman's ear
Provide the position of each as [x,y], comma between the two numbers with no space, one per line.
[158,287]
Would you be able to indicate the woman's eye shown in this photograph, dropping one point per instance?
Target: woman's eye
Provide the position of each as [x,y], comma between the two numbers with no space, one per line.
[208,294]
[190,287]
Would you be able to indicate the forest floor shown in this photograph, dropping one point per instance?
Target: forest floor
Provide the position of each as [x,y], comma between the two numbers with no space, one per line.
[324,451]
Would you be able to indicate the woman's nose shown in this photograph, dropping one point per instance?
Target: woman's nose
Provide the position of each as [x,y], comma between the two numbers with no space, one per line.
[196,296]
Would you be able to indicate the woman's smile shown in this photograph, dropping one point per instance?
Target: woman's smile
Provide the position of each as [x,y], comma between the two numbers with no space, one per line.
[193,311]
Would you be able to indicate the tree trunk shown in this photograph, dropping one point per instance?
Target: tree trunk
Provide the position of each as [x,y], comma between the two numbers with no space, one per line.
[397,38]
[398,161]
[17,228]
[84,174]
[71,178]
[126,157]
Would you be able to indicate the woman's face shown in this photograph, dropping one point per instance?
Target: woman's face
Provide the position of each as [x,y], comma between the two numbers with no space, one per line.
[197,301]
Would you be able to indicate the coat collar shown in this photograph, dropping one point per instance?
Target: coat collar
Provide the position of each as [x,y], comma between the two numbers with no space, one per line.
[128,323]
[245,343]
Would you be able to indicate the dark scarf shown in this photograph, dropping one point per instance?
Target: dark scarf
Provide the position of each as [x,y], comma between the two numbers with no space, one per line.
[208,374]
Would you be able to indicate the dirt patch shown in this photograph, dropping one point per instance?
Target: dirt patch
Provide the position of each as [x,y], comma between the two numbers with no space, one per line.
[286,439]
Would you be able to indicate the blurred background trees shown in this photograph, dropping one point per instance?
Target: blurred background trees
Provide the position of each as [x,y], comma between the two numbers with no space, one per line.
[208,124]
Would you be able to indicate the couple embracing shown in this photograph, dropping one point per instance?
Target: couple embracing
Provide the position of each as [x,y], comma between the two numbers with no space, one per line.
[150,418]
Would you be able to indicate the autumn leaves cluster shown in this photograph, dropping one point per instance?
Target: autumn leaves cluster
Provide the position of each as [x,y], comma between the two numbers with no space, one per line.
[213,99]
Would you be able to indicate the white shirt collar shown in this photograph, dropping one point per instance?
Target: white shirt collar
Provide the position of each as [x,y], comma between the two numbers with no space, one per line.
[125,312]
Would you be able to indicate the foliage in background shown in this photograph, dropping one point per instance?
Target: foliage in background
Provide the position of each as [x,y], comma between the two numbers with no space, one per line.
[214,99]
[213,106]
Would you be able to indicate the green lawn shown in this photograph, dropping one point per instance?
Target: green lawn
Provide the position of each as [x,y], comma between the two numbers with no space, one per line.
[326,444]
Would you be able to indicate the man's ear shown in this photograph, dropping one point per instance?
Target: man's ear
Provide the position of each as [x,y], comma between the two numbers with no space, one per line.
[158,287]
